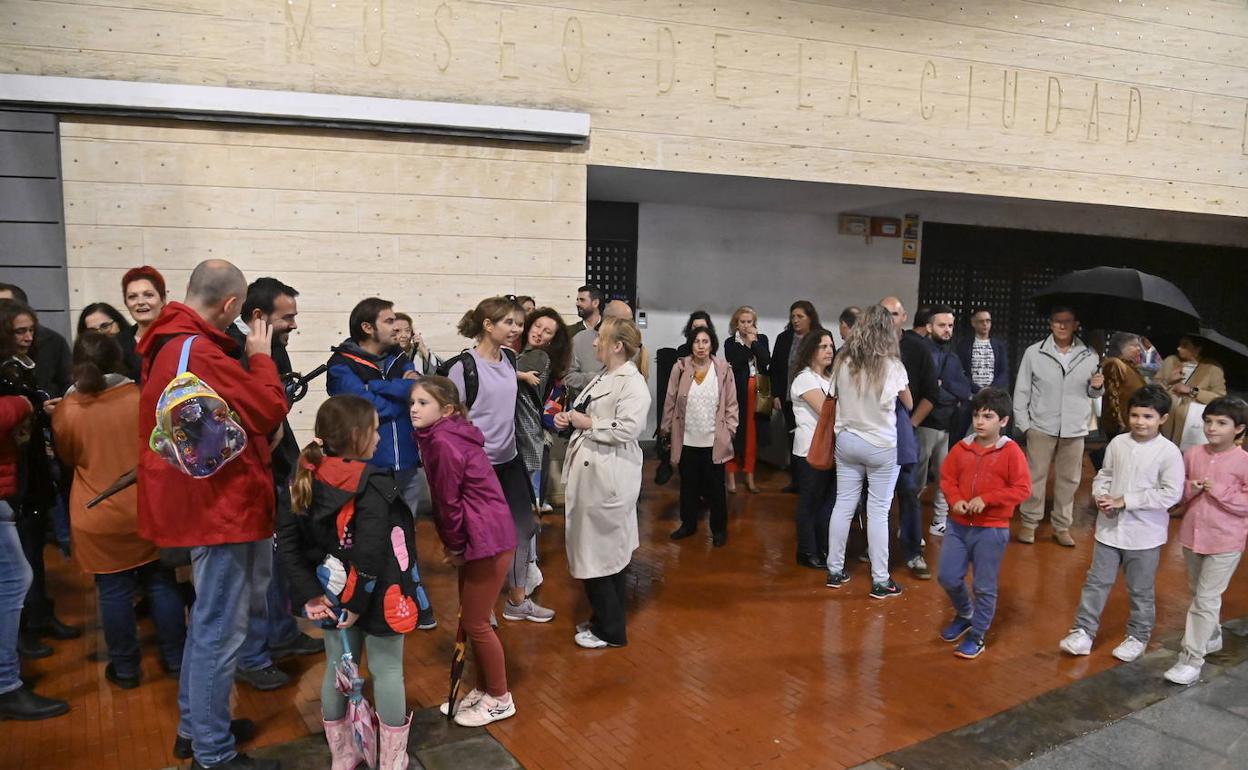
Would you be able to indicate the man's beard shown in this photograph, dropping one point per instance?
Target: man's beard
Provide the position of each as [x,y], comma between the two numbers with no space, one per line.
[584,312]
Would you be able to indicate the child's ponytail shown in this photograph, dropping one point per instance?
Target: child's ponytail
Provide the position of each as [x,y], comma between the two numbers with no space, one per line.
[343,427]
[301,488]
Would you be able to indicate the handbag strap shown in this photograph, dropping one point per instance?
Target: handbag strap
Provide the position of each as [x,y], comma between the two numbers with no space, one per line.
[184,358]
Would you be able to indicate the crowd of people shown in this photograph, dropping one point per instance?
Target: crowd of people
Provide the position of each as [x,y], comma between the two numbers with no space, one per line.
[231,530]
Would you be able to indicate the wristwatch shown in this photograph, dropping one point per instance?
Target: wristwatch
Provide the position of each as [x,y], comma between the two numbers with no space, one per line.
[1195,390]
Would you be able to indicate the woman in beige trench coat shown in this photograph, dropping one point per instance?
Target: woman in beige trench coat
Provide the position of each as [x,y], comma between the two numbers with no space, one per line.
[602,481]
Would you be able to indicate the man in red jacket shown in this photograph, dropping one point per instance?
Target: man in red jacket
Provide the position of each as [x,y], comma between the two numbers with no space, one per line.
[984,478]
[226,519]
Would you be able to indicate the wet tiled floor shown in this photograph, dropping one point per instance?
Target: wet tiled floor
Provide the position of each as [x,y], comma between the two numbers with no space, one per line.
[737,658]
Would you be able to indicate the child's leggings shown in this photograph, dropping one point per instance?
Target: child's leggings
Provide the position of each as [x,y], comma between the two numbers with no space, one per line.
[480,580]
[385,667]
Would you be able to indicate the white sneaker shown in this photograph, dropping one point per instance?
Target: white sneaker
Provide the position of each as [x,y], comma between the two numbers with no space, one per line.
[488,709]
[1077,642]
[1182,673]
[545,508]
[938,527]
[533,579]
[1130,649]
[587,640]
[465,703]
[1214,645]
[527,610]
[583,626]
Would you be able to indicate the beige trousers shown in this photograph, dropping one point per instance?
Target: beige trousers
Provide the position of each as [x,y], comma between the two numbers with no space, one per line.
[1208,575]
[1066,457]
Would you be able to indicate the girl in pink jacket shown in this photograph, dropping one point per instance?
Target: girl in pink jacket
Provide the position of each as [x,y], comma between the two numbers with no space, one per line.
[1214,529]
[477,532]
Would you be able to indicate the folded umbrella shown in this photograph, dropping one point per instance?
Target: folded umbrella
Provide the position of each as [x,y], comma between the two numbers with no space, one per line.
[1121,299]
[457,667]
[360,714]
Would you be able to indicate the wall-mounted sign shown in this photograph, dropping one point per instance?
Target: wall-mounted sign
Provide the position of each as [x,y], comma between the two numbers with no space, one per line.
[886,227]
[910,239]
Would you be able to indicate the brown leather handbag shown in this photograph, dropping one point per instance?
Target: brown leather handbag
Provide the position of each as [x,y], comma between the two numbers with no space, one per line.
[763,402]
[822,454]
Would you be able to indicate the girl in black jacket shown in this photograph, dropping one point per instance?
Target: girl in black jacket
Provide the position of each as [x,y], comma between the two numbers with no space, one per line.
[348,553]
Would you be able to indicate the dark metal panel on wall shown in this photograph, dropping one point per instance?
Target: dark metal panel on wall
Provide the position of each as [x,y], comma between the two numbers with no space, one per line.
[969,267]
[32,211]
[611,249]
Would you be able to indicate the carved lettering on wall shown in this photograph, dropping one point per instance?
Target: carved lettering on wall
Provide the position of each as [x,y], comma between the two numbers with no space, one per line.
[1135,114]
[1053,106]
[717,48]
[442,18]
[853,100]
[1094,113]
[296,34]
[573,49]
[506,51]
[803,91]
[929,73]
[665,64]
[1009,98]
[374,42]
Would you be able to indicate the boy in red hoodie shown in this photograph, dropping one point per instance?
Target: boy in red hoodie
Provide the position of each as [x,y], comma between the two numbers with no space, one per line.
[984,478]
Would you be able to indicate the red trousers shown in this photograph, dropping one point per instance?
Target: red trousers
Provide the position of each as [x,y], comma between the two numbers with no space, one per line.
[480,581]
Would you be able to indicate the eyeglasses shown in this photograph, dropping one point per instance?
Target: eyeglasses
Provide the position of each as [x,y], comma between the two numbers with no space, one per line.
[106,326]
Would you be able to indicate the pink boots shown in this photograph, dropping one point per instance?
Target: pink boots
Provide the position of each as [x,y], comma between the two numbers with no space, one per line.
[392,753]
[346,756]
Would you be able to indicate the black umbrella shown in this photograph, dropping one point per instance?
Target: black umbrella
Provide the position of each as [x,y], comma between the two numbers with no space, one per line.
[1121,299]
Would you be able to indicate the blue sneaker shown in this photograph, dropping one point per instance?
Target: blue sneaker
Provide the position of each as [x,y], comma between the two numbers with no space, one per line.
[954,631]
[969,648]
[837,579]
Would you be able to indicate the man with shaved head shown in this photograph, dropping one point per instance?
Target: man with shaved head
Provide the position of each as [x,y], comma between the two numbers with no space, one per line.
[921,370]
[226,520]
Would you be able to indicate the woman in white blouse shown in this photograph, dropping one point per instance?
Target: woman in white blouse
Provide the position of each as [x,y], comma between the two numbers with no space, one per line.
[867,379]
[700,413]
[809,389]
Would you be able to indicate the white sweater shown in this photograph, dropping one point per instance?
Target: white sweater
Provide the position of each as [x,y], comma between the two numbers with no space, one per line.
[1149,477]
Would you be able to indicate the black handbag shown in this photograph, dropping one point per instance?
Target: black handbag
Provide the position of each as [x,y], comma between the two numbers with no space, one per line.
[664,472]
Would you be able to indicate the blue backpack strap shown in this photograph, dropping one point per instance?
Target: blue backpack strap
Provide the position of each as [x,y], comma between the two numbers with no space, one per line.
[185,358]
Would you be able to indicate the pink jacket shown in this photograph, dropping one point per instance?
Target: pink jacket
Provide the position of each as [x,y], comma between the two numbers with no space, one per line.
[726,416]
[1216,521]
[470,512]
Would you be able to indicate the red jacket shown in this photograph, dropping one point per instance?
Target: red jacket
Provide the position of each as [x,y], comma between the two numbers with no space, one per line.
[997,473]
[13,409]
[235,505]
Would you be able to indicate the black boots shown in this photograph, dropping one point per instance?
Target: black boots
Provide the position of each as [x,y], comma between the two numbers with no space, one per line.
[25,705]
[30,647]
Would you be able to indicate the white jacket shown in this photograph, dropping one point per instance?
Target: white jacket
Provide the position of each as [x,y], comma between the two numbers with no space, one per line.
[1055,399]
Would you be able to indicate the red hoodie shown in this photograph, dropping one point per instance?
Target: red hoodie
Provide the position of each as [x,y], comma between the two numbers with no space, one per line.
[235,505]
[996,473]
[13,409]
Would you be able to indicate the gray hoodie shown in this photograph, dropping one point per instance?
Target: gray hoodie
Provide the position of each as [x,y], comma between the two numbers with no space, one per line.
[1052,397]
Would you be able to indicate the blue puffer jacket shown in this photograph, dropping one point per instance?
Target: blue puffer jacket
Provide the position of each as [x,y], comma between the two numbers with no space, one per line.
[355,371]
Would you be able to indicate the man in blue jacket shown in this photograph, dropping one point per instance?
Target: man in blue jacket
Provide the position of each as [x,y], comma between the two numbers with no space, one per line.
[370,364]
[954,391]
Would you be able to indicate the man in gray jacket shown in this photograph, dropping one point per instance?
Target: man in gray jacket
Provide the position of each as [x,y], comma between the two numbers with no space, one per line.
[1057,380]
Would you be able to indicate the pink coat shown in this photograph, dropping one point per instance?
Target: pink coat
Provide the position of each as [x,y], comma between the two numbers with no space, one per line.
[726,416]
[469,509]
[1216,521]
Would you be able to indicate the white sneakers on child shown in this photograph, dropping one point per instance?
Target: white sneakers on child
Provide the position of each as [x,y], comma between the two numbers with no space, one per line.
[1077,642]
[1130,649]
[587,640]
[1182,673]
[466,702]
[533,578]
[486,710]
[938,526]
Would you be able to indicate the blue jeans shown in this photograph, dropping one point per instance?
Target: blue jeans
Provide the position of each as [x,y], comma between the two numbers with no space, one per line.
[116,594]
[15,577]
[270,623]
[225,592]
[982,548]
[858,460]
[909,513]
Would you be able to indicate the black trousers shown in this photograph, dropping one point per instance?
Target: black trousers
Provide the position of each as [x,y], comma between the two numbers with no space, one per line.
[32,531]
[608,603]
[702,482]
[815,489]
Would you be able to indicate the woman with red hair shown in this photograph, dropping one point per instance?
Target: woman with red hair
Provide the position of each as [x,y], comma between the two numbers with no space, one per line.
[143,289]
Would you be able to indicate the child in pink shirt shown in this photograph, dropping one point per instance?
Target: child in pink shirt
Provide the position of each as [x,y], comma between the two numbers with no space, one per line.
[1214,529]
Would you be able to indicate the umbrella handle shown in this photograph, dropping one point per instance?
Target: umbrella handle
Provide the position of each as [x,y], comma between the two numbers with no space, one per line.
[346,641]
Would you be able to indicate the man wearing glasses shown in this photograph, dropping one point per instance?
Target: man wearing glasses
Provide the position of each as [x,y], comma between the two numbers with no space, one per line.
[1057,380]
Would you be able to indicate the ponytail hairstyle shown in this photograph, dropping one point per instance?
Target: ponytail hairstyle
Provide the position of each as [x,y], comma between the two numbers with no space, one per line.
[492,309]
[96,354]
[442,390]
[343,424]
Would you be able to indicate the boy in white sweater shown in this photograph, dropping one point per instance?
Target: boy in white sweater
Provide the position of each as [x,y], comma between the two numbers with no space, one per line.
[1141,479]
